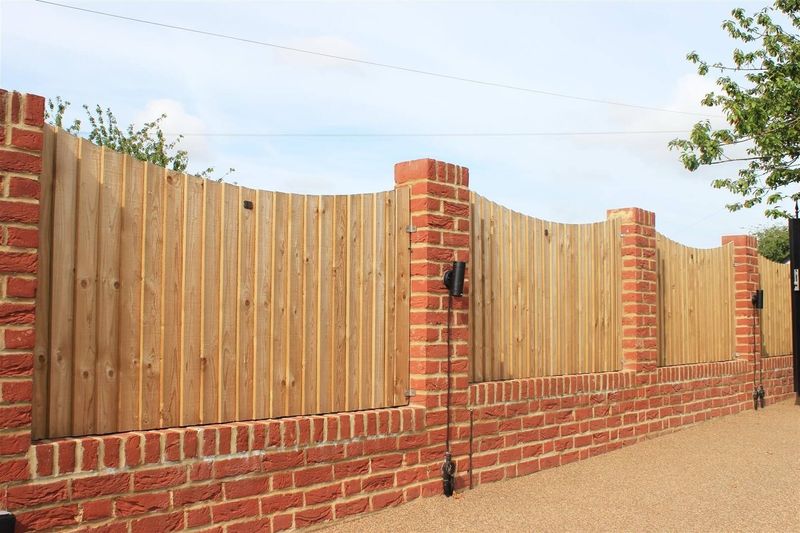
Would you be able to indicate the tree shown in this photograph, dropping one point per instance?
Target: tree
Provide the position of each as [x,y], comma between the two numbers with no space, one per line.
[773,242]
[147,143]
[759,95]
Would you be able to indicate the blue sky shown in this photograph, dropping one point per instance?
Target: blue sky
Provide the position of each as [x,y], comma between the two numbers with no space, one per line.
[630,52]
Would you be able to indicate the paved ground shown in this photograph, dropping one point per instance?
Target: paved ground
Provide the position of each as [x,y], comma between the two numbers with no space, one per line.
[737,473]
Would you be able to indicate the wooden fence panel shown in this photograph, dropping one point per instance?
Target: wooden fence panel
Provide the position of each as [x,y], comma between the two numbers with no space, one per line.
[169,300]
[696,303]
[152,276]
[544,296]
[41,349]
[776,317]
[109,228]
[212,256]
[192,302]
[130,298]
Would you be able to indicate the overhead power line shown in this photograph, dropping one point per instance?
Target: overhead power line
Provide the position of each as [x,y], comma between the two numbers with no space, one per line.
[488,134]
[374,63]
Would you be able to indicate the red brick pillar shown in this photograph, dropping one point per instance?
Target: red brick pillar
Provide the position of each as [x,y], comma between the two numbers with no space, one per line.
[639,298]
[746,281]
[21,137]
[440,235]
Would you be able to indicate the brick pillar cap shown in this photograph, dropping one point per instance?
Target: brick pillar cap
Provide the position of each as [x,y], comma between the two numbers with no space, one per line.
[414,170]
[632,214]
[741,240]
[432,170]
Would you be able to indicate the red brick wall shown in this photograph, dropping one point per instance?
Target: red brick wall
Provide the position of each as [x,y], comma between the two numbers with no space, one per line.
[440,235]
[289,473]
[21,121]
[639,298]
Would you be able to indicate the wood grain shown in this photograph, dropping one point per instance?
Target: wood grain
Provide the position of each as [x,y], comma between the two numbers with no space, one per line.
[172,300]
[776,317]
[545,296]
[695,305]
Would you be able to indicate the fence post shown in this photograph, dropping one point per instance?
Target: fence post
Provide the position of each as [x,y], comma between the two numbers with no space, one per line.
[639,296]
[746,281]
[439,205]
[21,140]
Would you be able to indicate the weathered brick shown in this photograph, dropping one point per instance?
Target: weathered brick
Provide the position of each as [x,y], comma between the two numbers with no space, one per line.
[133,450]
[224,512]
[16,392]
[197,493]
[236,467]
[142,503]
[281,460]
[48,518]
[323,494]
[19,339]
[246,487]
[281,502]
[159,478]
[21,287]
[198,517]
[308,517]
[100,485]
[97,510]
[14,444]
[19,212]
[20,162]
[387,499]
[161,523]
[15,417]
[352,507]
[24,188]
[34,110]
[27,139]
[311,476]
[16,313]
[36,494]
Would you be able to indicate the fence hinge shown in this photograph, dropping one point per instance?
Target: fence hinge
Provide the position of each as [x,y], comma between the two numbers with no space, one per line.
[410,393]
[411,228]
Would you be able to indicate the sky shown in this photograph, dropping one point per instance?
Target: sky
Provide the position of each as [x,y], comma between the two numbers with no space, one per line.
[231,98]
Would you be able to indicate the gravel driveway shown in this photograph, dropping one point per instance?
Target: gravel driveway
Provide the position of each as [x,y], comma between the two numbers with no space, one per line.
[737,473]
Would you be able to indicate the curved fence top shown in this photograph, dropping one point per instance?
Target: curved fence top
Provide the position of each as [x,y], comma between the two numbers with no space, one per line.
[545,296]
[168,299]
[776,328]
[696,303]
[482,200]
[692,249]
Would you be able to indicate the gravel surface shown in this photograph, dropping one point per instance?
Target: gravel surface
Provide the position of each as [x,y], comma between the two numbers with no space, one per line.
[736,473]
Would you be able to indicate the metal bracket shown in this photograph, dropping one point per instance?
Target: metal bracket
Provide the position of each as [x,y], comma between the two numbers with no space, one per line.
[411,228]
[410,393]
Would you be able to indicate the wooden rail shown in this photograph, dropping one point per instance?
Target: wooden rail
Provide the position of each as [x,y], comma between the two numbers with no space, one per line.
[776,317]
[164,300]
[545,297]
[696,303]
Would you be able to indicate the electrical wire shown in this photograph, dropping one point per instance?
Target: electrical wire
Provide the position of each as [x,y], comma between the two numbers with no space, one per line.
[753,329]
[449,320]
[487,134]
[761,351]
[389,66]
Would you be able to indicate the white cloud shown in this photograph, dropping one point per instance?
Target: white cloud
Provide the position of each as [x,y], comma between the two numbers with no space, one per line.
[686,95]
[179,121]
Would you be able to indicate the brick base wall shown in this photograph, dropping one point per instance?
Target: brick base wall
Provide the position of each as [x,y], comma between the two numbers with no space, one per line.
[523,426]
[256,476]
[294,472]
